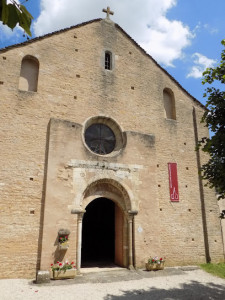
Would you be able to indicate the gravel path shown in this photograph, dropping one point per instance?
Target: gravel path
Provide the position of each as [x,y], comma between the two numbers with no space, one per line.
[194,285]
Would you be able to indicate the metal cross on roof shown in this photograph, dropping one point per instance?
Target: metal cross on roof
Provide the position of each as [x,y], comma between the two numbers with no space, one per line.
[108,11]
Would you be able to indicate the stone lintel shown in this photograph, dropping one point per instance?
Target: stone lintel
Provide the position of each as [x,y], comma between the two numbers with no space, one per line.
[73,163]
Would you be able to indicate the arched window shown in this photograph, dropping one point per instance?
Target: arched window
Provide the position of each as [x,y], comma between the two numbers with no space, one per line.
[169,104]
[108,60]
[29,74]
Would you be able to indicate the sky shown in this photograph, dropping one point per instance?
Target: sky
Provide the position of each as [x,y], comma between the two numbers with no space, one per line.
[183,36]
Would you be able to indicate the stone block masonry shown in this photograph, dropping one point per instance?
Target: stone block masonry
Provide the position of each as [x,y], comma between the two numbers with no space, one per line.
[47,169]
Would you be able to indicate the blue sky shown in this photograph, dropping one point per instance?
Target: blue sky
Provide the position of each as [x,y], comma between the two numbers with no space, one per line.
[183,36]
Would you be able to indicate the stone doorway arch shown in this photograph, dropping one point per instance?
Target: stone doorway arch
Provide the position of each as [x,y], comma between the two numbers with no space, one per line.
[102,234]
[113,190]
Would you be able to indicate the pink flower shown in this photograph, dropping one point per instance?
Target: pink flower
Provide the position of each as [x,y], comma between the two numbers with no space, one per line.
[57,262]
[60,264]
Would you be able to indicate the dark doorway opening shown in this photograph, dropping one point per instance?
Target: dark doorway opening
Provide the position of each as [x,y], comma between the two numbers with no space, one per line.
[98,233]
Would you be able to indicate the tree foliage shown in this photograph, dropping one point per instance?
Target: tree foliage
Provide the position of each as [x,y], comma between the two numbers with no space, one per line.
[13,13]
[214,170]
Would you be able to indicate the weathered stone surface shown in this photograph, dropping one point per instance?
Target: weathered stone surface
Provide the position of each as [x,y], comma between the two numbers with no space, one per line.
[43,277]
[63,232]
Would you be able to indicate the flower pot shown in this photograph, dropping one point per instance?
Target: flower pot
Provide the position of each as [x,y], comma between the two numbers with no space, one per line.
[160,266]
[154,267]
[63,274]
[151,267]
[63,246]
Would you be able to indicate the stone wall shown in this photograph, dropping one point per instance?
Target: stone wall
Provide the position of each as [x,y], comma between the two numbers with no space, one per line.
[73,86]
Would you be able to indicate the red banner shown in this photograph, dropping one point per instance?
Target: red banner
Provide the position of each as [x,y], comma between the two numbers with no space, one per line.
[173,181]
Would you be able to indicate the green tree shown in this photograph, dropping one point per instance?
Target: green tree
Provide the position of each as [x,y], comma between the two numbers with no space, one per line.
[13,13]
[214,170]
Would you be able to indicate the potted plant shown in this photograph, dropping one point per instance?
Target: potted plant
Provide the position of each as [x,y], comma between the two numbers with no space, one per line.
[155,263]
[63,238]
[63,242]
[63,270]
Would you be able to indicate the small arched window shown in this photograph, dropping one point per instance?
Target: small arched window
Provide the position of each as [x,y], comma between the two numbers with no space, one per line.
[108,60]
[169,104]
[29,74]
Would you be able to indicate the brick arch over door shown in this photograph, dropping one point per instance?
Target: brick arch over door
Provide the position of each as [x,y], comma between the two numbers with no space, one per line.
[111,189]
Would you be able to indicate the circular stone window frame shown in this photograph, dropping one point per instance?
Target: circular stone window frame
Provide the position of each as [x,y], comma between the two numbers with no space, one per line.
[113,125]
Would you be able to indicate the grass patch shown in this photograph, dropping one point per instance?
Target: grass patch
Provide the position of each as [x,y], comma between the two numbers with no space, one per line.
[215,269]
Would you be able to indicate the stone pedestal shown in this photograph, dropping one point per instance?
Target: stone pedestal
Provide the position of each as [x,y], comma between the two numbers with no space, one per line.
[43,277]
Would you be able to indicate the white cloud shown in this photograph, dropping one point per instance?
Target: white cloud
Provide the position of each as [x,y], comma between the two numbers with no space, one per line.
[5,30]
[200,27]
[201,63]
[166,40]
[145,21]
[210,29]
[10,1]
[9,34]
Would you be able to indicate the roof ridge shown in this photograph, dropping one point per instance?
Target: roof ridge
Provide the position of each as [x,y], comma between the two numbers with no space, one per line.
[49,34]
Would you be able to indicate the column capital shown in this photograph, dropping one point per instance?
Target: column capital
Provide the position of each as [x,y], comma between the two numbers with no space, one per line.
[77,211]
[132,212]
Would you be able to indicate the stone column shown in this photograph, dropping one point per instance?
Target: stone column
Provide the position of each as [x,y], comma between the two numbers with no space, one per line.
[131,215]
[130,242]
[80,214]
[79,240]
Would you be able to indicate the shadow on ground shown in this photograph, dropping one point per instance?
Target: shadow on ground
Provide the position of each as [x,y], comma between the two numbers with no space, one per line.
[192,291]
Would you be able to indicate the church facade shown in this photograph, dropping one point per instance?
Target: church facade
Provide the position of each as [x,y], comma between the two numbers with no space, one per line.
[98,148]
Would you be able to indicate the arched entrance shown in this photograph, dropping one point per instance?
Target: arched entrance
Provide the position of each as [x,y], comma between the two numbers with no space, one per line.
[98,233]
[105,199]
